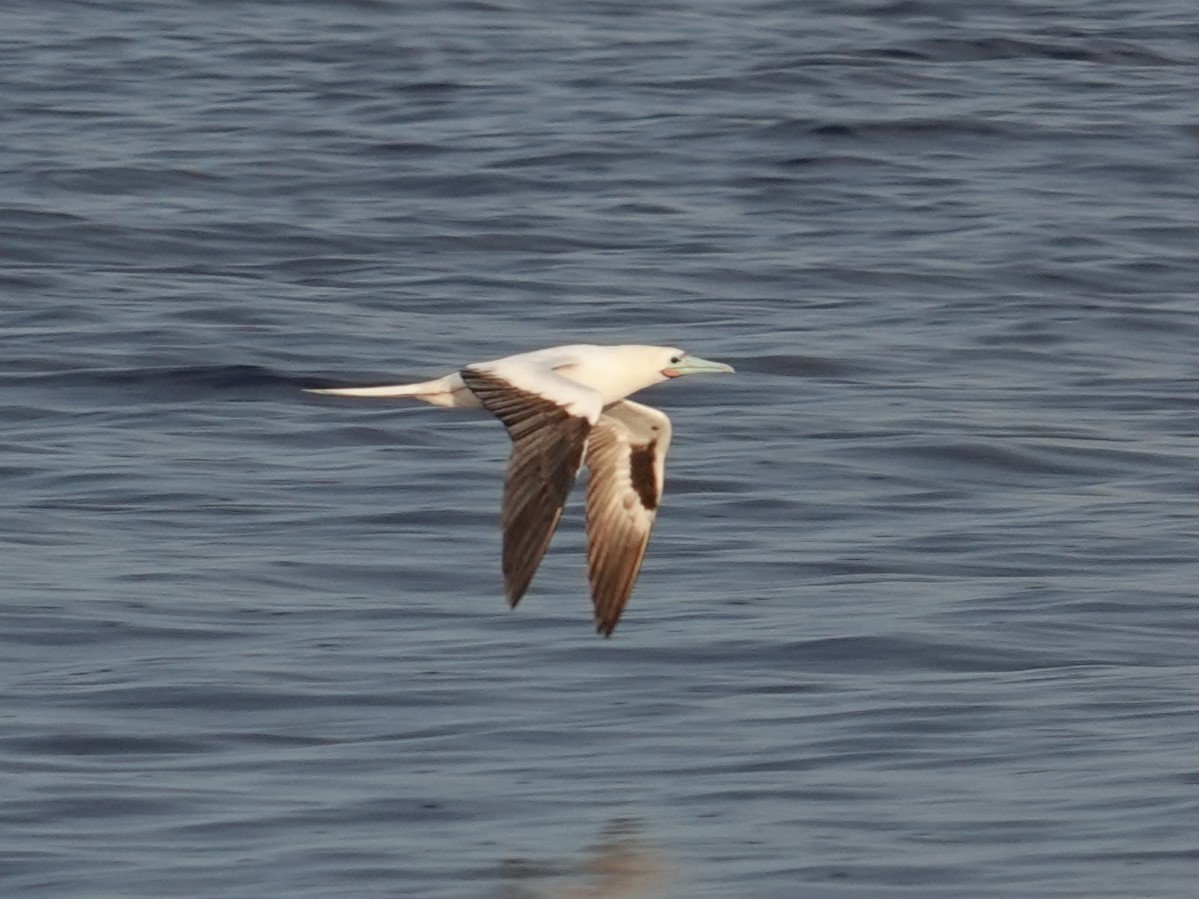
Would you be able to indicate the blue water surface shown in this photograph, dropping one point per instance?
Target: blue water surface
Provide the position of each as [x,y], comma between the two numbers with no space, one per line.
[919,618]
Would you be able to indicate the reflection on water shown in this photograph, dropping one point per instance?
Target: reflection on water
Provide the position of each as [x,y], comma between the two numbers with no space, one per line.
[619,866]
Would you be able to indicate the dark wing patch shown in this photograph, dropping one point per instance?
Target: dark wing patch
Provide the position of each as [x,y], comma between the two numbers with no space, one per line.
[642,474]
[547,450]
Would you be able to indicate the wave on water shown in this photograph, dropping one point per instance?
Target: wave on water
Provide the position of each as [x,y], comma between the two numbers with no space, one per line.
[178,383]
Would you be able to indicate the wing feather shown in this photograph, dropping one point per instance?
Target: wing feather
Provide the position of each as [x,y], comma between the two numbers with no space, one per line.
[626,455]
[548,441]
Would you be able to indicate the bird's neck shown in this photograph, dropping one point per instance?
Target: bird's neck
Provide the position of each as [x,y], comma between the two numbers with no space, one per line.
[612,379]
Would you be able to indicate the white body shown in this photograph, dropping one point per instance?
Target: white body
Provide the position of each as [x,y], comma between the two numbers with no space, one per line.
[612,372]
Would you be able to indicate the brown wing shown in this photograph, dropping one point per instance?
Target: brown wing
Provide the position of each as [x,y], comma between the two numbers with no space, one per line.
[627,458]
[547,451]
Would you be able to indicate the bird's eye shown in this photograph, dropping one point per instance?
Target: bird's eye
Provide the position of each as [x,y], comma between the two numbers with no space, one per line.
[675,360]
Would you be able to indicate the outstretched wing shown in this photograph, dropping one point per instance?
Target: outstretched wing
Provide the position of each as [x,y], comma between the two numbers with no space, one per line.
[548,418]
[626,456]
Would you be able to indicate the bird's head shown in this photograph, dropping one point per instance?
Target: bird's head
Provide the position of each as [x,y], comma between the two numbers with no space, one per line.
[676,363]
[618,371]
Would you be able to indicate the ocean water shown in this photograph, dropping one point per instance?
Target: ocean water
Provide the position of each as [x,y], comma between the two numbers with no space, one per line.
[920,615]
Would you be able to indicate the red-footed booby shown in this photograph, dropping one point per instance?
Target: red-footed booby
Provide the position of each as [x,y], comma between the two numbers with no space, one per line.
[562,406]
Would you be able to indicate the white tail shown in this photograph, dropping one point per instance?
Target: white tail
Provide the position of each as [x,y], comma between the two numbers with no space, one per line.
[447,391]
[382,390]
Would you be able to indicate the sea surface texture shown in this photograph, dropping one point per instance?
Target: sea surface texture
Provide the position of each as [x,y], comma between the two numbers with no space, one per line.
[920,617]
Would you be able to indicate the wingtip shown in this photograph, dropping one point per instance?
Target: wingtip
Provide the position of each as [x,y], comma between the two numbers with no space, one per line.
[514,594]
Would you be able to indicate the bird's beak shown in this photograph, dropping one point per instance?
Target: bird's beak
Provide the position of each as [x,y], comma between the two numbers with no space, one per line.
[693,365]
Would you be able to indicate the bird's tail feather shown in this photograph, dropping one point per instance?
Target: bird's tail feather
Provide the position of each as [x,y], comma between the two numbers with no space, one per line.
[447,391]
[381,390]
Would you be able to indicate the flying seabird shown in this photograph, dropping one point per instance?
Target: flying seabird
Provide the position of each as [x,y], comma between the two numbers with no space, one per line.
[562,406]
